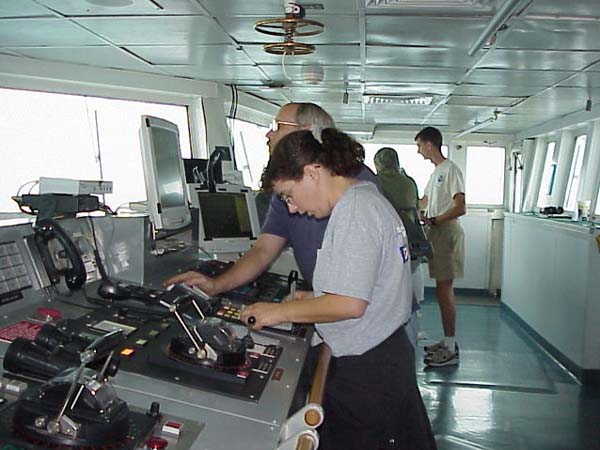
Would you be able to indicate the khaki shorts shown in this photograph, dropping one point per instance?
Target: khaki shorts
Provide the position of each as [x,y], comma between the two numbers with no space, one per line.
[448,242]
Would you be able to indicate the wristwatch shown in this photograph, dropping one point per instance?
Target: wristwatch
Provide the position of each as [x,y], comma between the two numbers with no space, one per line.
[432,221]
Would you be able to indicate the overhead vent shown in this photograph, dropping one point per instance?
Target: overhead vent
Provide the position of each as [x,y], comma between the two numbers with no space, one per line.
[398,99]
[427,3]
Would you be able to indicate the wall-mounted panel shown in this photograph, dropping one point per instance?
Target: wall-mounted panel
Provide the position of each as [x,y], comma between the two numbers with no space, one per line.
[171,30]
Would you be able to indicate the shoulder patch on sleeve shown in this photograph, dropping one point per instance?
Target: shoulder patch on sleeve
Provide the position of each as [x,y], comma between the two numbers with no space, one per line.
[405,253]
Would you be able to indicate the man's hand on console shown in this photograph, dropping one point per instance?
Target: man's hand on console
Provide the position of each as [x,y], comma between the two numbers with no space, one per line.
[192,278]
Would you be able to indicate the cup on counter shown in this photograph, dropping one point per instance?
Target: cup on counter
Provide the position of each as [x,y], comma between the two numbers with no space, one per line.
[583,210]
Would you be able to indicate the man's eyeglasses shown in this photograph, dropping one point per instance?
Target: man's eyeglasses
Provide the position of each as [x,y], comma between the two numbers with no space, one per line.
[288,199]
[276,123]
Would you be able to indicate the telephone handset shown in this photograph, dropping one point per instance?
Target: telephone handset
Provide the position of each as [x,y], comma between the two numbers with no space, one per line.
[45,231]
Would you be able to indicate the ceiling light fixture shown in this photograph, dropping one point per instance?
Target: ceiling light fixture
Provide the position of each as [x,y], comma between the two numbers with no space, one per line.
[506,10]
[425,3]
[289,27]
[397,99]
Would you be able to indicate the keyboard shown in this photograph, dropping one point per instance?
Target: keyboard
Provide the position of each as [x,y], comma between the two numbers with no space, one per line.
[138,292]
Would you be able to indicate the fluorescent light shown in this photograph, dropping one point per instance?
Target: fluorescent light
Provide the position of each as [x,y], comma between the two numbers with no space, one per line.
[397,99]
[423,3]
[361,134]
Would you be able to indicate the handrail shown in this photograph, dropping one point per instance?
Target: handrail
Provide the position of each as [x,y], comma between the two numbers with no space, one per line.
[300,429]
[312,417]
[305,443]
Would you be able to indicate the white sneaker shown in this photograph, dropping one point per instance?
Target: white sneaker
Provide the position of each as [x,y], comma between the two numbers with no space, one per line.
[429,349]
[443,357]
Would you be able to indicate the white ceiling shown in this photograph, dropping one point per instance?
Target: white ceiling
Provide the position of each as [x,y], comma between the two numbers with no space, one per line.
[541,67]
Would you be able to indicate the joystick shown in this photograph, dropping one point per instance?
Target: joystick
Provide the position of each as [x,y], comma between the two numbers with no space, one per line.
[247,340]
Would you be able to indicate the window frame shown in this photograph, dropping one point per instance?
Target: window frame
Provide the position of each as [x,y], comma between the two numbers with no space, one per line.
[551,165]
[577,151]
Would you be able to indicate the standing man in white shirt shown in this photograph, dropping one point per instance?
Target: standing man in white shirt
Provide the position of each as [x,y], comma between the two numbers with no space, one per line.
[441,206]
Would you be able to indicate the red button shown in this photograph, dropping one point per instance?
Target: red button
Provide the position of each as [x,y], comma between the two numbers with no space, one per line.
[156,443]
[49,313]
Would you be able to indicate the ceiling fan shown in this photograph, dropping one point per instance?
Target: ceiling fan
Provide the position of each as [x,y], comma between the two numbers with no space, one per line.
[292,26]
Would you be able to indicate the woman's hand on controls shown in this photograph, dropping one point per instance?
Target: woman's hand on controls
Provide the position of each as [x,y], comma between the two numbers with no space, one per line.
[266,314]
[299,295]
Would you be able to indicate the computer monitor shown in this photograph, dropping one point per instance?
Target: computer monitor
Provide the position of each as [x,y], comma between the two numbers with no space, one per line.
[164,175]
[227,219]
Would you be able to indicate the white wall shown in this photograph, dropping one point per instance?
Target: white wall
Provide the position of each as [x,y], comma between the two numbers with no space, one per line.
[551,282]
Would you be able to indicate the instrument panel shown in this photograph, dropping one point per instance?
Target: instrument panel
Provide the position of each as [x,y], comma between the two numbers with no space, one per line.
[233,398]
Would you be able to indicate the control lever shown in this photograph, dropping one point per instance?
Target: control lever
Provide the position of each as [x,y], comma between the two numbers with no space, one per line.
[292,281]
[247,340]
[181,294]
[63,423]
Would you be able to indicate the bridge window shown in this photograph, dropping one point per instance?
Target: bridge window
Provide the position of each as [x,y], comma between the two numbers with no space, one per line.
[548,175]
[575,173]
[250,148]
[484,180]
[79,137]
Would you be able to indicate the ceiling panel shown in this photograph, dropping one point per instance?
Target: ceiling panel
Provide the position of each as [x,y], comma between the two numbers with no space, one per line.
[339,29]
[172,30]
[413,75]
[40,32]
[341,113]
[465,100]
[502,77]
[408,51]
[538,60]
[495,90]
[275,95]
[317,94]
[554,35]
[586,79]
[423,31]
[560,101]
[100,56]
[392,113]
[5,51]
[21,8]
[275,7]
[85,8]
[228,74]
[474,113]
[557,7]
[418,56]
[198,54]
[324,54]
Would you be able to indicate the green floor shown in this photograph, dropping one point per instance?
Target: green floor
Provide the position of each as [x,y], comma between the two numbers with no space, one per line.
[507,392]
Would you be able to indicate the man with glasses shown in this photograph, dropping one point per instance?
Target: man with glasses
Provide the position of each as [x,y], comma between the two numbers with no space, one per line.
[303,233]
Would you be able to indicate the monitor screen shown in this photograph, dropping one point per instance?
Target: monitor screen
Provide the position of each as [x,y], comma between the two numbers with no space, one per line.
[228,221]
[164,175]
